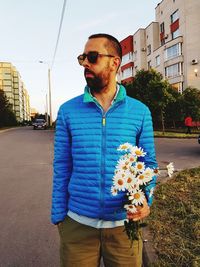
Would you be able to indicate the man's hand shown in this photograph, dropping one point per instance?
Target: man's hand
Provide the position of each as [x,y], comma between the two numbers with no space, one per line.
[142,212]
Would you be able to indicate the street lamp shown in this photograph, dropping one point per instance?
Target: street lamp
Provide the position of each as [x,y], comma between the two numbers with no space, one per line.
[49,81]
[195,72]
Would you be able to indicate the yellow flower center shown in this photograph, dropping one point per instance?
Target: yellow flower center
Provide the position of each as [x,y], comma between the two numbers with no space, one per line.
[139,166]
[124,147]
[141,177]
[120,182]
[129,180]
[155,171]
[137,196]
[138,153]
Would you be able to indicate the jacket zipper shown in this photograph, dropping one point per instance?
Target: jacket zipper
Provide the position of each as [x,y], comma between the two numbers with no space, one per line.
[103,149]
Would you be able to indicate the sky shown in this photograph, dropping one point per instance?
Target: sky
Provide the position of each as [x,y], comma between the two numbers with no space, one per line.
[29,32]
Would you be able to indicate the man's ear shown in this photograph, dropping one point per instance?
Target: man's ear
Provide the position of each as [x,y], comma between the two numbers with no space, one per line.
[116,61]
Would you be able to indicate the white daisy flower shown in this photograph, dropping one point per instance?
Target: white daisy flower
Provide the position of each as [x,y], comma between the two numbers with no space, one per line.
[134,186]
[130,208]
[151,192]
[170,169]
[119,182]
[143,179]
[148,172]
[133,170]
[137,197]
[124,147]
[131,158]
[130,179]
[138,151]
[140,166]
[123,164]
[113,191]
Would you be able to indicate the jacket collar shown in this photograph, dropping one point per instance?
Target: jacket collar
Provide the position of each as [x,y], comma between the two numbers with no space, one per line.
[119,97]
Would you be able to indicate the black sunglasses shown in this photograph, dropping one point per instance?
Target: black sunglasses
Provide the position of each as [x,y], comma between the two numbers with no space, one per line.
[91,57]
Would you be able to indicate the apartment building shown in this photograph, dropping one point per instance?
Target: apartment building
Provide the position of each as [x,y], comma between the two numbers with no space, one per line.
[127,59]
[171,44]
[15,90]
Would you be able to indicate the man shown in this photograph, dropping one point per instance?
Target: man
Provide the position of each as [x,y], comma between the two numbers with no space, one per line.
[188,124]
[89,130]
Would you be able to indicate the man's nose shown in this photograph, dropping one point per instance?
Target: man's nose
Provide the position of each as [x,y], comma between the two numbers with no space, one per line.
[86,63]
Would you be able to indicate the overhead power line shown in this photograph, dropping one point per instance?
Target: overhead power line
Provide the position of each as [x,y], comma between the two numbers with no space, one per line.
[59,32]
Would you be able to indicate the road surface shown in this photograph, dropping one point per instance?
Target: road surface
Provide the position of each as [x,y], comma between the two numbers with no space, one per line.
[27,238]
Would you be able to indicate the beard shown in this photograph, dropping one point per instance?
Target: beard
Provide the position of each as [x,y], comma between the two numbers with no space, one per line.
[96,83]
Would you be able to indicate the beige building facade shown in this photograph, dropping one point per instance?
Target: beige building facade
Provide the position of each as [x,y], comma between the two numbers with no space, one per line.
[15,90]
[171,44]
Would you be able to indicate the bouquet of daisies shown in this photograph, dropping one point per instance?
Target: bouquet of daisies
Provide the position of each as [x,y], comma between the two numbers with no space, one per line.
[132,176]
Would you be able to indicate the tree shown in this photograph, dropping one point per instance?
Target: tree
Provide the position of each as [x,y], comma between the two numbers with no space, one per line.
[150,88]
[174,109]
[191,103]
[7,116]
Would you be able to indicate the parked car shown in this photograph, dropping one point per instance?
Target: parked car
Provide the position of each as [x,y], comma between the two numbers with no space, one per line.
[39,124]
[199,139]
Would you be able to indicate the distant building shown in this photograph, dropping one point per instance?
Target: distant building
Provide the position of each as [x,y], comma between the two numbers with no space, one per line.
[15,90]
[171,45]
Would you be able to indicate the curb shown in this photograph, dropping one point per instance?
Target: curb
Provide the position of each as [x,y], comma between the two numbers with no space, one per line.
[149,255]
[177,137]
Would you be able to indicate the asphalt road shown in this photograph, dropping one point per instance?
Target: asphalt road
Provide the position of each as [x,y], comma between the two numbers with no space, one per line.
[27,238]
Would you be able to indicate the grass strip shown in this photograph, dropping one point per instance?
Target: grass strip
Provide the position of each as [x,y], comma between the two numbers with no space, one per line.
[175,221]
[175,135]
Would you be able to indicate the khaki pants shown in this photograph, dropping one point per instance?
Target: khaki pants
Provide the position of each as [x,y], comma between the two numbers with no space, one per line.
[83,246]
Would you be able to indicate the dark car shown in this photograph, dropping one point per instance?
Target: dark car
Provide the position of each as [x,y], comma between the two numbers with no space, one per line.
[39,124]
[199,139]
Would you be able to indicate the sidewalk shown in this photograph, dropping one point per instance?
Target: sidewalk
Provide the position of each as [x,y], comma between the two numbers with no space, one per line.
[8,129]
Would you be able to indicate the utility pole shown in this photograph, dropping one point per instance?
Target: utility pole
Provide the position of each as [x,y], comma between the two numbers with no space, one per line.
[49,121]
[47,114]
[50,108]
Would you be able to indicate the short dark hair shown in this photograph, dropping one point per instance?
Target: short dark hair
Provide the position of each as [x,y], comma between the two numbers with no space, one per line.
[114,42]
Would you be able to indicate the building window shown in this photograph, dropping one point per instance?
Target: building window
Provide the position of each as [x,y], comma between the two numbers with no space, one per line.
[157,60]
[148,50]
[127,58]
[149,64]
[176,34]
[162,27]
[173,70]
[127,73]
[174,16]
[173,51]
[7,82]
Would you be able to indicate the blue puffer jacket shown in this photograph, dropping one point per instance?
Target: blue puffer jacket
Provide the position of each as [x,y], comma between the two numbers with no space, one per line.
[85,154]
